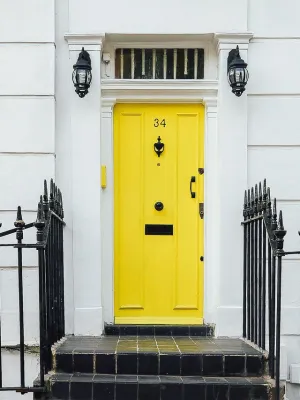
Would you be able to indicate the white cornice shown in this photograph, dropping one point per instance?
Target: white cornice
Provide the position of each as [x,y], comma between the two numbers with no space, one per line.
[90,41]
[159,90]
[227,41]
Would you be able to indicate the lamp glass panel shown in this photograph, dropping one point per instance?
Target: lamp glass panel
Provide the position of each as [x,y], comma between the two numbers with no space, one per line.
[81,76]
[88,77]
[74,77]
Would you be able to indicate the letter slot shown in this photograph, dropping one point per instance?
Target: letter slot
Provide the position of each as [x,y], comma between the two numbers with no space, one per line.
[158,229]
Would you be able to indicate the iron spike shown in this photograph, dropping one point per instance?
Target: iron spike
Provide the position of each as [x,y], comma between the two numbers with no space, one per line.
[275,207]
[62,206]
[274,216]
[280,221]
[256,200]
[265,195]
[40,223]
[280,233]
[19,214]
[45,191]
[245,208]
[260,198]
[51,198]
[19,224]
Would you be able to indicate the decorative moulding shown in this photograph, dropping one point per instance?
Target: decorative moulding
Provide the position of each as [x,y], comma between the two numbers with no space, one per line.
[157,90]
[158,40]
[226,41]
[90,41]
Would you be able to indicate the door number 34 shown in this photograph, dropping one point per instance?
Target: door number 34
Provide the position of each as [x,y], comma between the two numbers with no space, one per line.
[158,122]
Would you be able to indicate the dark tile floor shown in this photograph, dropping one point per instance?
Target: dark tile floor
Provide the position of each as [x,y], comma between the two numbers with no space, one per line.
[155,345]
[128,387]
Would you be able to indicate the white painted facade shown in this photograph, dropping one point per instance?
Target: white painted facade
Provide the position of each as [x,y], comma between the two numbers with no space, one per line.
[47,131]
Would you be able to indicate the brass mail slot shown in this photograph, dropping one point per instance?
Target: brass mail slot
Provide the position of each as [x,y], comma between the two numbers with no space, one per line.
[158,229]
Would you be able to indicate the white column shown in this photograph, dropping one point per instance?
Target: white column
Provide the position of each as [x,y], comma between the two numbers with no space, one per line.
[211,212]
[107,209]
[85,117]
[231,162]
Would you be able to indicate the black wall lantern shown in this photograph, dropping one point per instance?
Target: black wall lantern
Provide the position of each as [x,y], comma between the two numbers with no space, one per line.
[237,72]
[82,75]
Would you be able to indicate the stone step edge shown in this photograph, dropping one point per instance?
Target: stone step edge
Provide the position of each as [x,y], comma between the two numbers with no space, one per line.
[117,378]
[204,330]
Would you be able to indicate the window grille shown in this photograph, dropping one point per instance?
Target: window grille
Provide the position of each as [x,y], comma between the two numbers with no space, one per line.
[159,64]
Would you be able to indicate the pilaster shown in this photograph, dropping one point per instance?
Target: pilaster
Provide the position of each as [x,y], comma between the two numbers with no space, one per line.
[85,117]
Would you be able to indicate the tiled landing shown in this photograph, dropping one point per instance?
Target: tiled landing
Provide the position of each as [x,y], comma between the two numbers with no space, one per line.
[159,355]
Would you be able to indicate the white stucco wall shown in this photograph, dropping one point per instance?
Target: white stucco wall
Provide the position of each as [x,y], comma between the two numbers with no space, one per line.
[10,368]
[273,139]
[27,156]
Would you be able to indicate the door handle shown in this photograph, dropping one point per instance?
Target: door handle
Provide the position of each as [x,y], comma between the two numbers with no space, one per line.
[193,180]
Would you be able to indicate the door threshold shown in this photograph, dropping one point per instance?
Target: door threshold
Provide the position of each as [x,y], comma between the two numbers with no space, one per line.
[158,321]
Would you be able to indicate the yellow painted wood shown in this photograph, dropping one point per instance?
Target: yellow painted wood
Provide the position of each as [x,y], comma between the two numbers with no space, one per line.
[158,279]
[103,177]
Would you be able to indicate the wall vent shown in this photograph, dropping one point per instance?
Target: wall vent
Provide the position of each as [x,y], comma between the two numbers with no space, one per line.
[159,64]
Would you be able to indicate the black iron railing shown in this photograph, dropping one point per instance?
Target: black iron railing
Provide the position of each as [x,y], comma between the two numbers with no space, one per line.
[263,251]
[49,245]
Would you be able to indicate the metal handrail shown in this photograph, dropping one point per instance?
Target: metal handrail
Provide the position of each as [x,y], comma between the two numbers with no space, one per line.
[49,245]
[263,251]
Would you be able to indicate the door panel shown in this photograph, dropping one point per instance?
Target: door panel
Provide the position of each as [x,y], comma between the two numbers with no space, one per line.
[158,278]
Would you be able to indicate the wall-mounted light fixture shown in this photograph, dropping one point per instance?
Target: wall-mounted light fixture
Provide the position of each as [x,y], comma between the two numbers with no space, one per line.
[237,72]
[82,75]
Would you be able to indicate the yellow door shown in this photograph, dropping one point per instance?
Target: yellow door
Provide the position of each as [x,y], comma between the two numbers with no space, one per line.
[158,150]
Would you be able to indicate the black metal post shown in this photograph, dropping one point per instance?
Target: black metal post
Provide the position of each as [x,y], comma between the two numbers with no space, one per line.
[279,235]
[260,283]
[245,269]
[252,267]
[278,323]
[273,291]
[40,225]
[256,267]
[264,285]
[19,224]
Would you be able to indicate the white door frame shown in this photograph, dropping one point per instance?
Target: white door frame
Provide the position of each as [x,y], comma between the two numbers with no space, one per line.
[225,174]
[158,91]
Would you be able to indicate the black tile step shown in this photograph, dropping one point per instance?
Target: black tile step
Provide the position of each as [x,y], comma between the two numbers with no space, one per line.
[182,356]
[133,387]
[159,330]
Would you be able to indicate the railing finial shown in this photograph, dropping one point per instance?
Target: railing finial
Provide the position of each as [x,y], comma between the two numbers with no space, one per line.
[62,205]
[245,208]
[269,204]
[19,224]
[274,216]
[51,198]
[55,198]
[40,223]
[59,196]
[256,200]
[265,195]
[280,233]
[46,200]
[252,203]
[260,198]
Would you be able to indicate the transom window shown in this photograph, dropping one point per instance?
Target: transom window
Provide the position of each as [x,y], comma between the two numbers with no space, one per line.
[159,64]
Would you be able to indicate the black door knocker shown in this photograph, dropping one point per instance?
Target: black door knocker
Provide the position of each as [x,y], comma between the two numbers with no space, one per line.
[159,146]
